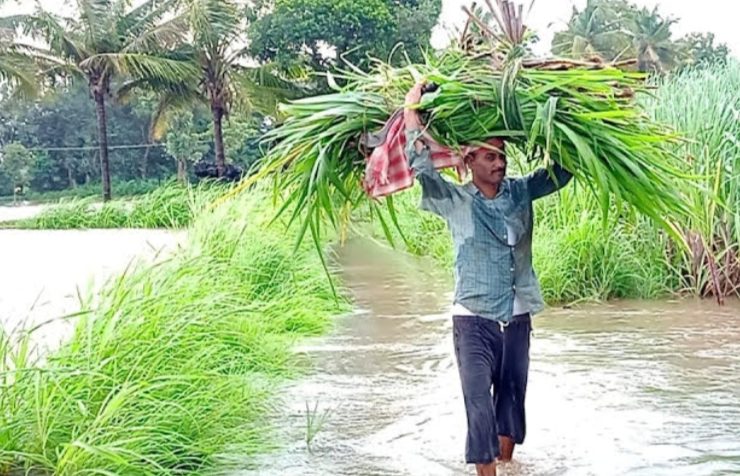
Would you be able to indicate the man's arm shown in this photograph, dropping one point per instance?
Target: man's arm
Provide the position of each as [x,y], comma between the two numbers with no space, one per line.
[542,182]
[437,194]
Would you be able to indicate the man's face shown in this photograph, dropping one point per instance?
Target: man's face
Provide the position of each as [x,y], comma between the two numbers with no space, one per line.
[488,163]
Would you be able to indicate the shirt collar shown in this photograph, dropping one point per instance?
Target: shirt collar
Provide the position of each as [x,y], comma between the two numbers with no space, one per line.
[502,190]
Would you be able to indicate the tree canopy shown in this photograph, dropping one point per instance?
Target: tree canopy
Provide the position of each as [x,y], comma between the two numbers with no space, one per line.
[229,63]
[318,33]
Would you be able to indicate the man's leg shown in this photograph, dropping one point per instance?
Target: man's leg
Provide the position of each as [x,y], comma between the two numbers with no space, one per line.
[506,448]
[512,387]
[477,349]
[485,469]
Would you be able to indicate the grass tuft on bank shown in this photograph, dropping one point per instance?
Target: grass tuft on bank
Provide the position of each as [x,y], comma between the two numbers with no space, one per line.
[172,368]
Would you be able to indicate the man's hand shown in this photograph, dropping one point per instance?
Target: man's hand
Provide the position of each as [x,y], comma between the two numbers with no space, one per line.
[413,97]
[410,116]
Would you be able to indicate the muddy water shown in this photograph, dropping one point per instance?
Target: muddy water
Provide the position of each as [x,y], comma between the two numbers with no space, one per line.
[43,273]
[629,388]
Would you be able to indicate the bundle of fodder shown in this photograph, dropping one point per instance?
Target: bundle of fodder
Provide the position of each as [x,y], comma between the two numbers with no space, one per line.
[582,115]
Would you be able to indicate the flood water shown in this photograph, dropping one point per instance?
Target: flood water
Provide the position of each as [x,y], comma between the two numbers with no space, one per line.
[626,388]
[43,273]
[20,212]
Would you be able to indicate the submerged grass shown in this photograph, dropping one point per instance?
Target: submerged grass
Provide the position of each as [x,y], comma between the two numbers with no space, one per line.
[172,367]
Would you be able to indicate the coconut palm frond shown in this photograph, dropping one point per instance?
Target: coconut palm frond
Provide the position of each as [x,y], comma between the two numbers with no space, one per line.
[95,15]
[165,35]
[51,29]
[147,15]
[213,23]
[143,65]
[18,73]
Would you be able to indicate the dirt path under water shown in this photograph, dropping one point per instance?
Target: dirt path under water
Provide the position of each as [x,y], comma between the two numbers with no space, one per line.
[639,388]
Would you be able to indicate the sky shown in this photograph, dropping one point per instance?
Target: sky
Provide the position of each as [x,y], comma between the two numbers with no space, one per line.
[547,16]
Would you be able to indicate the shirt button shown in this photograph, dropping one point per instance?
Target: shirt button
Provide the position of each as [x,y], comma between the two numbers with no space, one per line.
[513,288]
[512,270]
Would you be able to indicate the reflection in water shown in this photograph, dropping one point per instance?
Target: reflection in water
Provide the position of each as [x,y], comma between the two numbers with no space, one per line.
[625,388]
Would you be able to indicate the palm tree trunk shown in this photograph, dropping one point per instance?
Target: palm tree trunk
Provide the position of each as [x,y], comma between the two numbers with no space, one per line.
[218,140]
[103,143]
[145,162]
[144,169]
[182,174]
[70,175]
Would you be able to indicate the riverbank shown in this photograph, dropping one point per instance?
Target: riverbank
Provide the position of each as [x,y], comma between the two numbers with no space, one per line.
[172,206]
[122,190]
[173,367]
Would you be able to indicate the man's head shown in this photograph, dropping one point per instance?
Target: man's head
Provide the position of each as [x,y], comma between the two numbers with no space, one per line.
[488,162]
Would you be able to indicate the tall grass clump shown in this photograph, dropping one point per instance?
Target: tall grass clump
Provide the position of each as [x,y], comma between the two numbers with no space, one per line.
[171,369]
[704,106]
[580,256]
[170,206]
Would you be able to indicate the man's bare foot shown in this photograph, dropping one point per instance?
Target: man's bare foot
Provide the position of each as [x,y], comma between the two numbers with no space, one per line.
[506,448]
[486,469]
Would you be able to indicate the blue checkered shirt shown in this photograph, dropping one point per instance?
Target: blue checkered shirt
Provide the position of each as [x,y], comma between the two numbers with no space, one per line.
[489,271]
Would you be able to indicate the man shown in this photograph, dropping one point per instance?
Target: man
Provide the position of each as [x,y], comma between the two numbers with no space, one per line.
[496,290]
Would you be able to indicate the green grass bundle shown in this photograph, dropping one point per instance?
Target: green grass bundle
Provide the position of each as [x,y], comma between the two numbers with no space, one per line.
[582,115]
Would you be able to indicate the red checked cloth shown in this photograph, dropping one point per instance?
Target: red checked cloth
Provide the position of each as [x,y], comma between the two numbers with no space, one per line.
[387,170]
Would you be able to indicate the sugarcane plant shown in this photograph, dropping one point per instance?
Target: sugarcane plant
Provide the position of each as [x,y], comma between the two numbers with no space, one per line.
[582,115]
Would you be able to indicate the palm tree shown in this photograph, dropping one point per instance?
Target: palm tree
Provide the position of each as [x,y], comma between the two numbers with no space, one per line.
[597,30]
[651,36]
[109,40]
[227,76]
[585,33]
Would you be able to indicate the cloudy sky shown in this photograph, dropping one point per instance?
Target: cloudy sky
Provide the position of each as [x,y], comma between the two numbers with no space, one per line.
[548,16]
